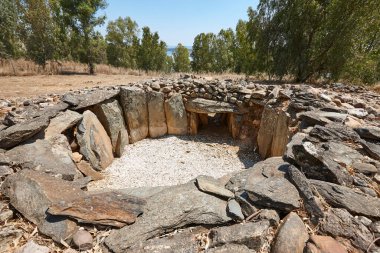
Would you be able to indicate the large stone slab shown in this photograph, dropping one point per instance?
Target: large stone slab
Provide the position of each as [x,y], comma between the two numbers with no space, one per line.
[312,118]
[95,145]
[83,101]
[369,132]
[273,135]
[291,236]
[172,208]
[201,105]
[107,208]
[134,104]
[340,223]
[110,115]
[14,135]
[176,116]
[62,122]
[51,156]
[157,118]
[326,161]
[32,192]
[355,202]
[372,149]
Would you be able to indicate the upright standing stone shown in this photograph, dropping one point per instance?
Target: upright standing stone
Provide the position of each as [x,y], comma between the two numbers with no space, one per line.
[110,115]
[234,124]
[95,145]
[176,116]
[157,119]
[133,101]
[193,123]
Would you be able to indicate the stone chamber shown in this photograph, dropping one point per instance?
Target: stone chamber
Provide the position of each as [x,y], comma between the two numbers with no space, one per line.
[315,188]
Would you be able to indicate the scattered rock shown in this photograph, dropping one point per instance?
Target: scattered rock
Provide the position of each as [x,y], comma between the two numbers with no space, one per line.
[14,135]
[369,132]
[291,236]
[94,142]
[343,197]
[110,115]
[340,223]
[32,247]
[163,214]
[251,234]
[9,235]
[110,209]
[6,215]
[52,156]
[176,115]
[364,168]
[234,210]
[82,240]
[312,206]
[327,244]
[133,101]
[372,149]
[88,171]
[209,185]
[32,192]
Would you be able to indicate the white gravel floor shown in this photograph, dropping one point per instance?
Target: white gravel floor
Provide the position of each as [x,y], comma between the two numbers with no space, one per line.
[173,160]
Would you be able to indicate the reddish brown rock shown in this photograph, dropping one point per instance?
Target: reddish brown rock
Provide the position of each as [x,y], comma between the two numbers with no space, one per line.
[327,244]
[88,171]
[104,208]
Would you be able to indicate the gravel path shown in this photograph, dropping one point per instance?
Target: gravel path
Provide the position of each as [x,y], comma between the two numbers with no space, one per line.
[174,160]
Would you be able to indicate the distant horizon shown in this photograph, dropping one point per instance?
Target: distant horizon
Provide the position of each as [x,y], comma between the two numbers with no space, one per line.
[179,21]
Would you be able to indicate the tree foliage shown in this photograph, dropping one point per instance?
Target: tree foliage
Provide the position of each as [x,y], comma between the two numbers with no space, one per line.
[9,42]
[181,59]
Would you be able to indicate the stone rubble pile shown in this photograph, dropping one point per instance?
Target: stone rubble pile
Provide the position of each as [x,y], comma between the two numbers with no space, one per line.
[316,189]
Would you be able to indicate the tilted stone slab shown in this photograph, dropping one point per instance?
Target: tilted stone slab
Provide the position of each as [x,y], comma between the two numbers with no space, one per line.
[52,156]
[95,145]
[369,132]
[92,98]
[176,116]
[62,122]
[157,118]
[110,114]
[107,208]
[201,105]
[134,104]
[355,202]
[14,135]
[172,208]
[32,192]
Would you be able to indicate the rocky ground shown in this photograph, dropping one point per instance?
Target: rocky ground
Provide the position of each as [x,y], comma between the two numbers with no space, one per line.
[315,189]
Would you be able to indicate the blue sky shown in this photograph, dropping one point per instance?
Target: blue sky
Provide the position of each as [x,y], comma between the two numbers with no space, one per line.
[179,21]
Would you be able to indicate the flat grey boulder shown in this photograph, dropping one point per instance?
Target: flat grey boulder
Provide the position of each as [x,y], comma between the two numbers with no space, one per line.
[372,149]
[326,161]
[62,122]
[81,101]
[176,116]
[32,192]
[291,236]
[334,132]
[201,105]
[95,145]
[355,202]
[251,234]
[369,132]
[14,135]
[340,223]
[134,103]
[312,118]
[110,114]
[276,193]
[172,208]
[51,156]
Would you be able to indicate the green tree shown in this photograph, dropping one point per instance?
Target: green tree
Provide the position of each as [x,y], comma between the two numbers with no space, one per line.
[122,35]
[81,16]
[308,38]
[38,29]
[223,48]
[244,54]
[181,58]
[9,42]
[152,52]
[202,54]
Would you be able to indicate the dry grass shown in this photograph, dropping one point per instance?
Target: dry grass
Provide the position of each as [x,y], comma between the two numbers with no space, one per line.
[22,67]
[376,87]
